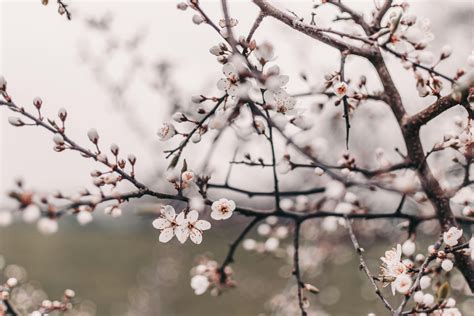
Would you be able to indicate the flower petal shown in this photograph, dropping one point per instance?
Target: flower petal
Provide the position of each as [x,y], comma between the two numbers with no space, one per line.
[196,236]
[169,212]
[192,216]
[180,219]
[182,233]
[216,215]
[202,225]
[166,234]
[229,70]
[223,84]
[161,223]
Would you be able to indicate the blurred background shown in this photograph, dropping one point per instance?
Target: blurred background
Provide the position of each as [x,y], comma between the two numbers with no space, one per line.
[125,66]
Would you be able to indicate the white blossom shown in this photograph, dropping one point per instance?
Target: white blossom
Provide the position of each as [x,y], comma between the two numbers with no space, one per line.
[264,52]
[166,131]
[47,226]
[264,229]
[222,209]
[418,297]
[272,244]
[403,283]
[187,176]
[428,299]
[451,312]
[249,244]
[408,247]
[447,265]
[340,89]
[230,83]
[200,284]
[31,213]
[84,217]
[166,223]
[12,282]
[318,171]
[452,236]
[190,226]
[334,190]
[280,101]
[425,282]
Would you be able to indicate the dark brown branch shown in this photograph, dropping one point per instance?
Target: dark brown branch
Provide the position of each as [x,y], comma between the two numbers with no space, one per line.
[307,29]
[383,10]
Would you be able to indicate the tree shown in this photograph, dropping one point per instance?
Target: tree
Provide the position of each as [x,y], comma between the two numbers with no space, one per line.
[254,101]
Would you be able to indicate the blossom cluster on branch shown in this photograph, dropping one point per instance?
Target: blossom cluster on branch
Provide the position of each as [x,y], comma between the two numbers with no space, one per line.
[254,101]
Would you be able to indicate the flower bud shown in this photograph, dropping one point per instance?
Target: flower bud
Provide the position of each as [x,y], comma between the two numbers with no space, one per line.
[93,135]
[114,148]
[37,102]
[182,6]
[3,83]
[62,114]
[58,139]
[15,121]
[132,159]
[198,19]
[446,51]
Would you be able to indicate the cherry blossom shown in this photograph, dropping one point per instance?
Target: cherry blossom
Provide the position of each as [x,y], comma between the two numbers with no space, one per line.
[166,223]
[280,101]
[402,283]
[190,226]
[452,236]
[222,209]
[166,131]
[200,284]
[230,83]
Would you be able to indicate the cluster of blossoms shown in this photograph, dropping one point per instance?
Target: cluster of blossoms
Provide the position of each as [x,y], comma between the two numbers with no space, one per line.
[8,295]
[272,232]
[413,275]
[208,276]
[184,225]
[254,95]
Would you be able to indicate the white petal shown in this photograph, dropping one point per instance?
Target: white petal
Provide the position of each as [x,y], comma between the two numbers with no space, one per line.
[161,223]
[202,225]
[216,215]
[182,233]
[223,84]
[169,212]
[180,219]
[192,216]
[232,90]
[283,80]
[196,236]
[166,234]
[229,70]
[231,205]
